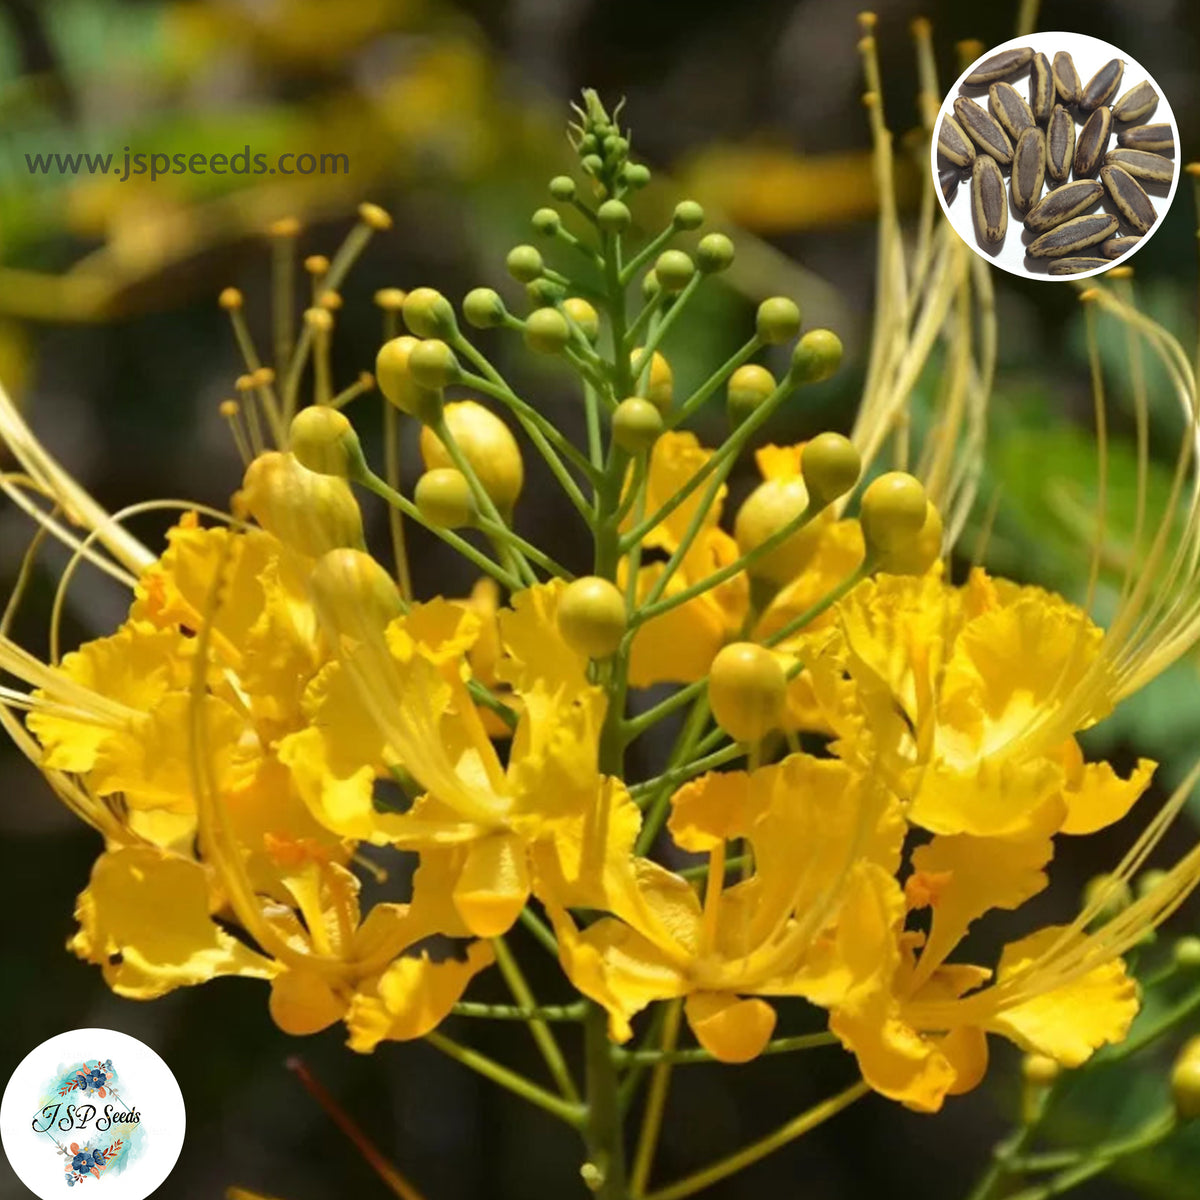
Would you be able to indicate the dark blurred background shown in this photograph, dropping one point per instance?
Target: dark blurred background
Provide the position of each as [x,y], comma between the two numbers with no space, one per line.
[452,118]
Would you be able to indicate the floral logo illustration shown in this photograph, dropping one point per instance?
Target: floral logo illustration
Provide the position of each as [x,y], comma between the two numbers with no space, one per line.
[107,1132]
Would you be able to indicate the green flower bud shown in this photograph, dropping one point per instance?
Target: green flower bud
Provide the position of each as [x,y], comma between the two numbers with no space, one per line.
[562,188]
[892,512]
[547,331]
[593,164]
[659,387]
[636,424]
[688,215]
[613,216]
[483,308]
[674,269]
[545,293]
[778,320]
[636,175]
[1119,897]
[397,383]
[831,466]
[714,253]
[615,146]
[433,364]
[747,690]
[592,616]
[748,387]
[650,285]
[1186,953]
[1147,881]
[324,441]
[525,263]
[589,144]
[443,498]
[546,221]
[428,314]
[1185,1085]
[817,356]
[584,315]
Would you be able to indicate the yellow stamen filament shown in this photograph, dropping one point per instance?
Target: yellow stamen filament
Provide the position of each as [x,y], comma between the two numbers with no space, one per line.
[232,413]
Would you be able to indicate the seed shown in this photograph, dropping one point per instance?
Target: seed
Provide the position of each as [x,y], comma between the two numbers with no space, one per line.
[1092,142]
[1060,144]
[1066,78]
[988,200]
[1072,236]
[1008,106]
[1142,165]
[1158,139]
[999,66]
[1130,198]
[1102,86]
[1062,204]
[1137,103]
[953,144]
[1029,168]
[1116,247]
[1076,266]
[983,130]
[1041,88]
[948,180]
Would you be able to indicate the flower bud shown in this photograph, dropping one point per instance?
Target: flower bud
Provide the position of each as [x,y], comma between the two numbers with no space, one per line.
[562,188]
[443,498]
[547,331]
[650,285]
[432,364]
[747,690]
[428,314]
[546,221]
[1185,1085]
[324,441]
[660,387]
[593,164]
[396,381]
[915,557]
[584,315]
[777,320]
[545,293]
[748,387]
[714,253]
[483,308]
[893,512]
[353,595]
[636,424]
[772,505]
[674,270]
[525,263]
[613,216]
[688,215]
[486,443]
[1039,1070]
[592,616]
[817,356]
[1186,953]
[307,512]
[1118,899]
[636,175]
[831,466]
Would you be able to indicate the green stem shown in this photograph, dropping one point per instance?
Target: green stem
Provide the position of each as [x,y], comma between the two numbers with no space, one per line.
[650,250]
[542,932]
[660,331]
[507,535]
[710,762]
[800,620]
[656,1102]
[685,746]
[701,395]
[604,1172]
[516,1012]
[697,1054]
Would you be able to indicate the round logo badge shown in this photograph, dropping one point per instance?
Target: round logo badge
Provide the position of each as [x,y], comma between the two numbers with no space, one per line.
[92,1109]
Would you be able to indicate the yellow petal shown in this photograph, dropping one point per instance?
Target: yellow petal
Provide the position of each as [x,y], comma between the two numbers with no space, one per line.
[534,650]
[716,808]
[1072,1021]
[997,798]
[302,1002]
[966,1049]
[413,996]
[1099,797]
[494,884]
[779,462]
[730,1029]
[442,630]
[142,956]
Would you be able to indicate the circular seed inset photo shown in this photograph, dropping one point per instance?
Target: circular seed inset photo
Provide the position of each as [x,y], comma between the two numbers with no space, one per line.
[1055,156]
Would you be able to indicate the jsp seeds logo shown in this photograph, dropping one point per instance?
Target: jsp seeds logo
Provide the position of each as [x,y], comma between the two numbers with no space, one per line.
[114,1115]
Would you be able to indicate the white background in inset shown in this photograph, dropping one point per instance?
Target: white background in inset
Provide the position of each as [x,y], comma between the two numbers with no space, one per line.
[144,1081]
[1090,54]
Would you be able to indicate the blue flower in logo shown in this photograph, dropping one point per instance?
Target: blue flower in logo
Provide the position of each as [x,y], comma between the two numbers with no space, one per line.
[82,1161]
[96,1078]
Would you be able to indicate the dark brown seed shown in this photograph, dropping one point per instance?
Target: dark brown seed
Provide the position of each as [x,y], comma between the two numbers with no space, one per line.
[1060,144]
[1062,204]
[1066,78]
[1137,103]
[1116,247]
[1157,139]
[999,66]
[953,144]
[1008,106]
[1072,236]
[1102,86]
[1076,266]
[1092,142]
[1131,200]
[1041,88]
[988,200]
[1141,164]
[948,181]
[1029,168]
[983,130]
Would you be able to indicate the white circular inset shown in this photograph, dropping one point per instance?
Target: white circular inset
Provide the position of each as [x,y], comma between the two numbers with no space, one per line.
[92,1108]
[1089,55]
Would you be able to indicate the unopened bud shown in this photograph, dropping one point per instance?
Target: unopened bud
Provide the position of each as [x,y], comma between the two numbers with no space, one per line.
[714,253]
[613,216]
[443,498]
[353,595]
[546,221]
[397,383]
[547,331]
[562,188]
[893,512]
[324,441]
[486,443]
[483,308]
[659,388]
[831,467]
[778,320]
[748,387]
[636,424]
[525,263]
[1185,1085]
[584,315]
[592,616]
[774,504]
[747,690]
[817,356]
[674,270]
[428,314]
[688,215]
[433,364]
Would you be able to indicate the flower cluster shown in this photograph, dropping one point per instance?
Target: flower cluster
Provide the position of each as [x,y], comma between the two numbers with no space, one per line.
[872,756]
